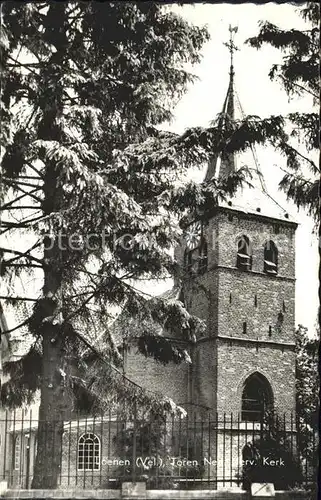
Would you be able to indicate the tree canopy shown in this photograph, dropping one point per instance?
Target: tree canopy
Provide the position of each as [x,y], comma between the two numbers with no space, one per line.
[299,75]
[307,392]
[307,377]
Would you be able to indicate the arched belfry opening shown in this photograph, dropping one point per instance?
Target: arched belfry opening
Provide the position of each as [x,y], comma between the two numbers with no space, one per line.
[244,253]
[270,258]
[257,397]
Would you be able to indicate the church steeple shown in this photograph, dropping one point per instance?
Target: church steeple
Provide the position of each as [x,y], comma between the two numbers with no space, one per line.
[223,164]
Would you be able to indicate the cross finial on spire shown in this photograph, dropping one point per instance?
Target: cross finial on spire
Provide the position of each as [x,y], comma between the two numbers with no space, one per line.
[231,46]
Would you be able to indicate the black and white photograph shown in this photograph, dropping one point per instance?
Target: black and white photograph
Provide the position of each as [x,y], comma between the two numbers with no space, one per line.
[159,250]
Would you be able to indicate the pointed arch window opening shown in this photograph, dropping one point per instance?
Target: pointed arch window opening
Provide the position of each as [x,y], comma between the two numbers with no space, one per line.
[270,258]
[257,398]
[244,254]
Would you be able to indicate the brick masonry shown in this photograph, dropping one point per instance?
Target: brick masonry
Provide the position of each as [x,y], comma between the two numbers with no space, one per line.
[170,380]
[229,297]
[226,298]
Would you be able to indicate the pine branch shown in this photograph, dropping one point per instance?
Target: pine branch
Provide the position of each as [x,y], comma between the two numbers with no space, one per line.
[104,360]
[308,160]
[301,87]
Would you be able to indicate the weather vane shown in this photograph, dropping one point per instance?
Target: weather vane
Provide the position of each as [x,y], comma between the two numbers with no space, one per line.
[230,44]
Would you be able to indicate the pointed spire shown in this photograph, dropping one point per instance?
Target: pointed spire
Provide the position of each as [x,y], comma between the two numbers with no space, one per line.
[224,164]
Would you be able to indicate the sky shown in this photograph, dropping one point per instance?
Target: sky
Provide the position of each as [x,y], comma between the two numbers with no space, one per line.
[258,96]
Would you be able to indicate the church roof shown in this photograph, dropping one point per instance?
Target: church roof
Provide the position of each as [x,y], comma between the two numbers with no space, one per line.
[251,198]
[255,199]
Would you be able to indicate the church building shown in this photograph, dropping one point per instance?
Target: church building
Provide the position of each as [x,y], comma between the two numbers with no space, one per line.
[238,269]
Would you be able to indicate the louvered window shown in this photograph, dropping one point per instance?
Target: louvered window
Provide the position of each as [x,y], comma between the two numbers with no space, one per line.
[244,254]
[270,258]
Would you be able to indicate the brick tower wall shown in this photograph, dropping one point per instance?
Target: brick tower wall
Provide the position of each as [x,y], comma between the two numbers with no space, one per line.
[227,297]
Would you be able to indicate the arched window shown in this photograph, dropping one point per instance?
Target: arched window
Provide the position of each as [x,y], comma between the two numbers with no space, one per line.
[244,254]
[88,452]
[202,264]
[17,452]
[270,258]
[257,397]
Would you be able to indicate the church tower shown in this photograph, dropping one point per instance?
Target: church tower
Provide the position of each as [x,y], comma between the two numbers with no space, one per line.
[239,276]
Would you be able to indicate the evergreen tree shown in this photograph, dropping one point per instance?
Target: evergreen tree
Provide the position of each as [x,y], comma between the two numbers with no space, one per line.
[299,75]
[307,391]
[85,88]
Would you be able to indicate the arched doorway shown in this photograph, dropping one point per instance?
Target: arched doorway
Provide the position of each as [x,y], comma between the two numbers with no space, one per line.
[257,397]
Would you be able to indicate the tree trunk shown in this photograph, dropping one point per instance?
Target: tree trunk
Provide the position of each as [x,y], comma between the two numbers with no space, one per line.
[48,317]
[52,407]
[50,424]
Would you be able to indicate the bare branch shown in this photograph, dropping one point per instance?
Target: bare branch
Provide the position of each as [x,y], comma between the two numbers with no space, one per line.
[29,265]
[36,245]
[21,207]
[6,297]
[35,170]
[19,183]
[21,254]
[25,224]
[13,201]
[24,323]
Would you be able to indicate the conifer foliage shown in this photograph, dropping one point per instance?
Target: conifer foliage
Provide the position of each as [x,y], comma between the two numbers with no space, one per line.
[307,390]
[88,175]
[299,74]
